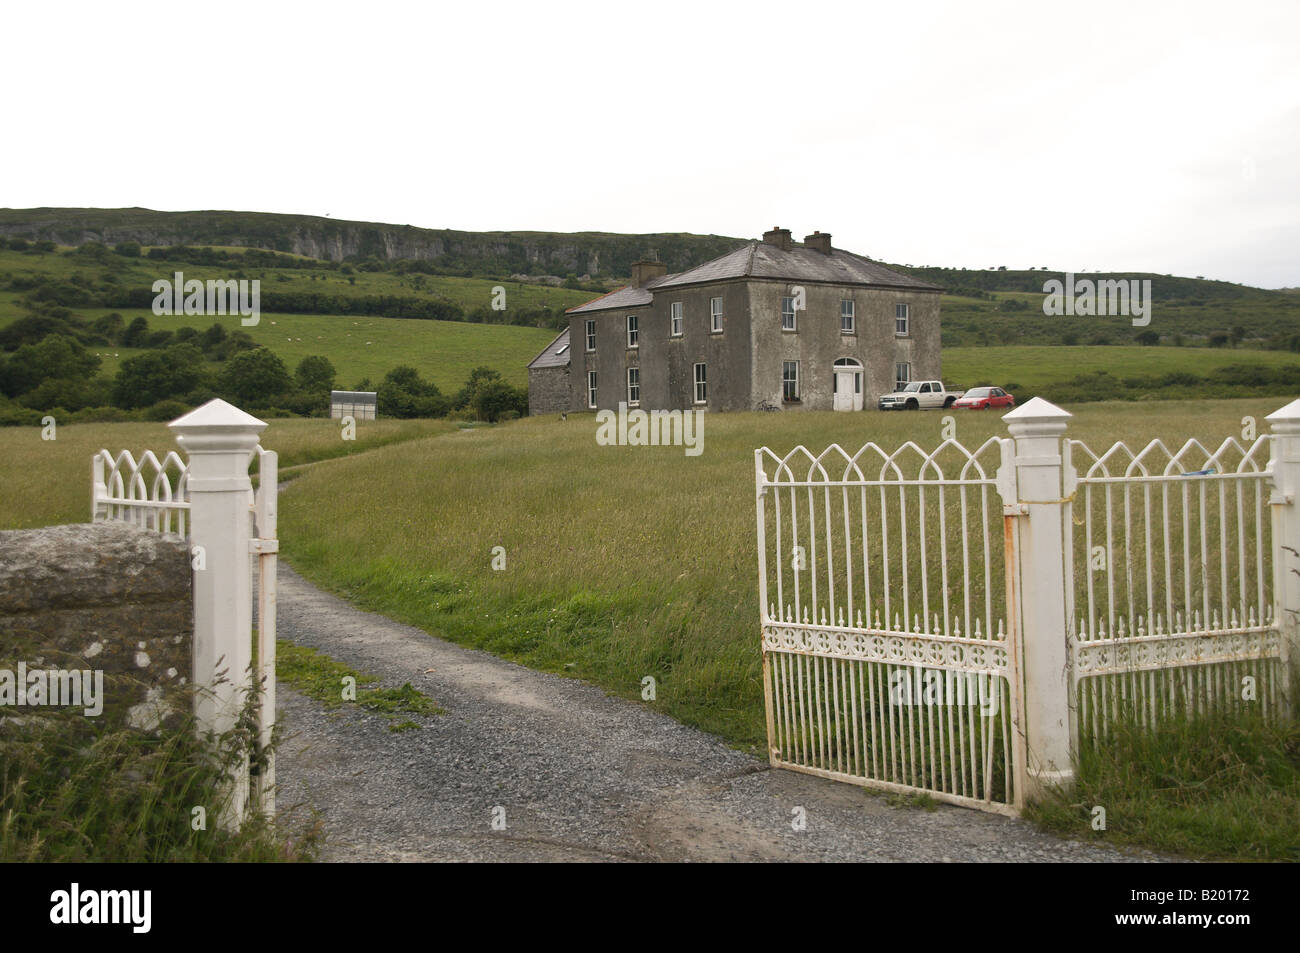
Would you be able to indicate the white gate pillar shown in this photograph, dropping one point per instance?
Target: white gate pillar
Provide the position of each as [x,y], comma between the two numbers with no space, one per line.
[1284,459]
[1040,540]
[219,440]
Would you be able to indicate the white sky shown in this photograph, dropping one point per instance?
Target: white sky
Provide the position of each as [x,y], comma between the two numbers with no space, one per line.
[1136,136]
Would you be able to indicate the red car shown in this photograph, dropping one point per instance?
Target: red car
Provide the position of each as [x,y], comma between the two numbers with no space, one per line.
[985,398]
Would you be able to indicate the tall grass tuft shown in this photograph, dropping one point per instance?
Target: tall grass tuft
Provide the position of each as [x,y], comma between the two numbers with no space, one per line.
[93,790]
[1217,786]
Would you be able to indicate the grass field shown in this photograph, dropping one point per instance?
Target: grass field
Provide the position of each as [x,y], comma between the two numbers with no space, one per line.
[359,347]
[1035,367]
[48,481]
[621,562]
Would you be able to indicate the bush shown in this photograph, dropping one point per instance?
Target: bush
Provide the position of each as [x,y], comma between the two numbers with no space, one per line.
[146,379]
[256,378]
[403,394]
[101,415]
[164,410]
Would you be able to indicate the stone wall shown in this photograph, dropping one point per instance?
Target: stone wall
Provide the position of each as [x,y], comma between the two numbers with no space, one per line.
[548,390]
[100,596]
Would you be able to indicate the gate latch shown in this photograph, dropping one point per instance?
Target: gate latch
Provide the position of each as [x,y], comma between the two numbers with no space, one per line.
[1015,509]
[263,546]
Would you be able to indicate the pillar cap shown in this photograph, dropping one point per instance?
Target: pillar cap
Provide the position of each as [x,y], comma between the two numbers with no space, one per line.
[1037,416]
[217,426]
[1286,420]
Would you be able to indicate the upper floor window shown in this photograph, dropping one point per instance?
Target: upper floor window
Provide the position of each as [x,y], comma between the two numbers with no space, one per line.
[715,314]
[591,335]
[675,311]
[633,335]
[787,314]
[902,315]
[847,316]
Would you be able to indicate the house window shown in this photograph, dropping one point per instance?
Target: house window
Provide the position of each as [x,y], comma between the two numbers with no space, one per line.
[676,311]
[902,374]
[591,335]
[633,386]
[846,316]
[902,313]
[787,314]
[790,380]
[633,335]
[591,388]
[701,384]
[715,315]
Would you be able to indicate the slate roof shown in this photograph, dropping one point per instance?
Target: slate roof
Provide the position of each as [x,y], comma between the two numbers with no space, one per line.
[555,354]
[625,297]
[799,263]
[760,260]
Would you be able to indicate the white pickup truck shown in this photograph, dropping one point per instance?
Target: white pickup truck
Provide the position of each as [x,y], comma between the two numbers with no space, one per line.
[919,395]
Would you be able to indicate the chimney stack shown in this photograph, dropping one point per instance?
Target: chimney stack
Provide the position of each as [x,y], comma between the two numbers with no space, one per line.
[646,271]
[779,237]
[818,241]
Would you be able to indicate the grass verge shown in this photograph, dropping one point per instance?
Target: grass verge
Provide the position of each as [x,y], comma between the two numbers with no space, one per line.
[1213,788]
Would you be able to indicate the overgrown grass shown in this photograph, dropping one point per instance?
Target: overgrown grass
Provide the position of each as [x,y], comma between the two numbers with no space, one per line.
[1225,787]
[322,678]
[92,790]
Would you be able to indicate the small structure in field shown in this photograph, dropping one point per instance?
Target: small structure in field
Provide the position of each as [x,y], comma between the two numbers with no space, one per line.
[357,404]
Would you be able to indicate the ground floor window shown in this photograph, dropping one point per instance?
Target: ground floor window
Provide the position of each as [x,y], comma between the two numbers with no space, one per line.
[701,384]
[591,388]
[790,380]
[633,386]
[902,374]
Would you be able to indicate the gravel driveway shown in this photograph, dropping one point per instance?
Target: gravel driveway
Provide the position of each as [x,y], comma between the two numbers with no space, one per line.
[572,773]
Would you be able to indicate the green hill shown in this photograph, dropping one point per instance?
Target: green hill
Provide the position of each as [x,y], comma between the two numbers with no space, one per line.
[480,253]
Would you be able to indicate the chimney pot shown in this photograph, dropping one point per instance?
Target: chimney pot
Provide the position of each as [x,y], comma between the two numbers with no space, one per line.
[644,272]
[818,241]
[778,237]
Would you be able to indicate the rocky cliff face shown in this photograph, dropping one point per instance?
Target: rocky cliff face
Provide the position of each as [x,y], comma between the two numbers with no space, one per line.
[593,253]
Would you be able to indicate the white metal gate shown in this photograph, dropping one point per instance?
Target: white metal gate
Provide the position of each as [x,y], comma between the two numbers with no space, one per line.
[1172,555]
[890,646]
[909,645]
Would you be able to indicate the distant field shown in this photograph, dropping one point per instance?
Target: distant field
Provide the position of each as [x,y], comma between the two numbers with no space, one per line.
[1033,367]
[443,351]
[48,481]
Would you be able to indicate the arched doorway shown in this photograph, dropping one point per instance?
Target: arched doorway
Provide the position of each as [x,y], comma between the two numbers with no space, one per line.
[846,387]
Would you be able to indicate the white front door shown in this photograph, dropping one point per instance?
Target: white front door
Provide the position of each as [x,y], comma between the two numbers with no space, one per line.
[848,389]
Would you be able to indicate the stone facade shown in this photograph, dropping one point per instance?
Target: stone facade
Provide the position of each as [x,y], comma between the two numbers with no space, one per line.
[100,596]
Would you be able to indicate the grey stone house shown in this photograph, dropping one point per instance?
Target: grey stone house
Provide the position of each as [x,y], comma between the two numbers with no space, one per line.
[773,324]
